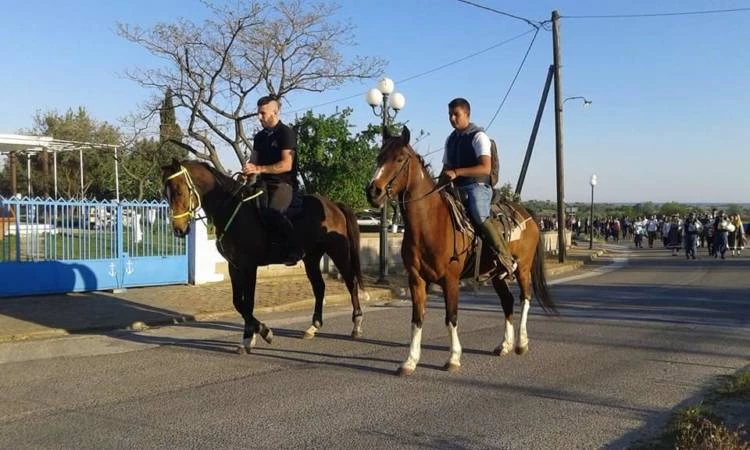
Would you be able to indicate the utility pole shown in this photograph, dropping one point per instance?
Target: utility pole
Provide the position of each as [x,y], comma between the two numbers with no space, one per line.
[535,130]
[559,138]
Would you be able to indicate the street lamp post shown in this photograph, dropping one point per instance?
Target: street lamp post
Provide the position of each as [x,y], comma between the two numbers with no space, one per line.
[586,102]
[386,104]
[591,217]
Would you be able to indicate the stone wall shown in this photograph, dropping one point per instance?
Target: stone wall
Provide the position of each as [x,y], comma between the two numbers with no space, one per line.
[207,265]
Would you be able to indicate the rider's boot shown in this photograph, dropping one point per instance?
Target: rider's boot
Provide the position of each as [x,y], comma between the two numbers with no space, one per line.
[295,251]
[499,246]
[285,228]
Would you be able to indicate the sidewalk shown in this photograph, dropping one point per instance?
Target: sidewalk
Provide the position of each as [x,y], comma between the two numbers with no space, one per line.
[58,315]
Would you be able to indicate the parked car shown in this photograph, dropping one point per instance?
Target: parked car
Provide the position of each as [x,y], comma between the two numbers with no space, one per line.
[99,217]
[368,220]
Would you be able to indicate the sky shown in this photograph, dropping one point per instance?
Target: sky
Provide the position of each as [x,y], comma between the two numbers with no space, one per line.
[668,119]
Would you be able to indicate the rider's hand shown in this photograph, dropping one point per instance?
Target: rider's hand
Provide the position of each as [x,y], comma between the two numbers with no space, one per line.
[250,169]
[451,174]
[443,179]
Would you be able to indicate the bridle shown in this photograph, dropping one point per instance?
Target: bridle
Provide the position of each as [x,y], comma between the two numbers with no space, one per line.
[192,192]
[404,166]
[389,185]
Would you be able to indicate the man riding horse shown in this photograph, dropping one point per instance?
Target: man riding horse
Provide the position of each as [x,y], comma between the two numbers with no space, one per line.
[467,162]
[274,158]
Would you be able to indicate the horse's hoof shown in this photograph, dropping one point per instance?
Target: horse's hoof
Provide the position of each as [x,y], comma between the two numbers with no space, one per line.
[404,371]
[522,350]
[242,350]
[310,332]
[356,334]
[452,367]
[500,351]
[266,334]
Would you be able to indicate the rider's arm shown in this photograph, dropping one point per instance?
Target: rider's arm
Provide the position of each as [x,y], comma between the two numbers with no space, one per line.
[481,144]
[283,166]
[483,168]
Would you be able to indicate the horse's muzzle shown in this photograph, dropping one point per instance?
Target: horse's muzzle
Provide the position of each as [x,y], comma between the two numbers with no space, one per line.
[181,232]
[375,195]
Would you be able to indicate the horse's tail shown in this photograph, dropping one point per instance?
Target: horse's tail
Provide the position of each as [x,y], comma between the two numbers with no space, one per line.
[538,279]
[352,231]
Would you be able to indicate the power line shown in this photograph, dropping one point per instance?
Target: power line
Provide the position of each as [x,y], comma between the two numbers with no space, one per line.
[502,13]
[512,83]
[679,13]
[421,74]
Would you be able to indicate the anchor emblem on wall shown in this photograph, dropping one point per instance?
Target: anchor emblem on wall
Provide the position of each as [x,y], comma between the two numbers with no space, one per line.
[112,272]
[129,268]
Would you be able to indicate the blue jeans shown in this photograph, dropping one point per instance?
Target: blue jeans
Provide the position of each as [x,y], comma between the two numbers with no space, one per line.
[478,199]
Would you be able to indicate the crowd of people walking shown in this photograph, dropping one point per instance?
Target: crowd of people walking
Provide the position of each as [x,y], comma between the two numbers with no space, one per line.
[718,232]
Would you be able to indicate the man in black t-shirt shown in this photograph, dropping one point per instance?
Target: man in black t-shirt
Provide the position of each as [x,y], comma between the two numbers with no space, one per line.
[274,159]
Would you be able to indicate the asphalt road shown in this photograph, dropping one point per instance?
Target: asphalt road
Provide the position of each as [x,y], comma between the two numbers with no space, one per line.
[639,333]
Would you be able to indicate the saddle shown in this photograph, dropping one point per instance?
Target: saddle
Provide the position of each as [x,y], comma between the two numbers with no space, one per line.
[503,216]
[276,224]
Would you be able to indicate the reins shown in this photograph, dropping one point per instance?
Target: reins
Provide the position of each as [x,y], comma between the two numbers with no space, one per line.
[193,192]
[437,188]
[389,191]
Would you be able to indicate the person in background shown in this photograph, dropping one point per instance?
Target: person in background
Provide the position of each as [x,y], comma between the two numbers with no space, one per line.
[691,229]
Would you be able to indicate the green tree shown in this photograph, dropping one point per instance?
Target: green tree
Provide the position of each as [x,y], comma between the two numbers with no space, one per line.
[672,208]
[332,161]
[507,193]
[241,51]
[98,163]
[142,160]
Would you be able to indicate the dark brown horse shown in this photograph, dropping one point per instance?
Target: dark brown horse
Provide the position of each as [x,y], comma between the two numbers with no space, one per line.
[323,227]
[436,251]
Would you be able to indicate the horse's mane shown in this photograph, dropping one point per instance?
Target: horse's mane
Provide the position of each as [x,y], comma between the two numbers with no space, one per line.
[225,182]
[425,165]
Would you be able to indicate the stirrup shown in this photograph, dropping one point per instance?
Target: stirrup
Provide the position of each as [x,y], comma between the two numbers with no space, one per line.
[504,272]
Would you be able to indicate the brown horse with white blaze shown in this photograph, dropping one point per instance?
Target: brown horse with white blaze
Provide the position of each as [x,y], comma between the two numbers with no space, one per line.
[324,227]
[434,250]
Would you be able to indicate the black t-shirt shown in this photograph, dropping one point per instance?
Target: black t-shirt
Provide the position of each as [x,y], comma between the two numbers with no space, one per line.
[268,144]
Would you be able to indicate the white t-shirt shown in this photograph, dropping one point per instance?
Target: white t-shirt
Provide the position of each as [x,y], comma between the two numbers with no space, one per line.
[480,142]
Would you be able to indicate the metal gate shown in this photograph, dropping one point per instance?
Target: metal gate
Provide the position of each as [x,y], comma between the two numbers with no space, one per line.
[55,246]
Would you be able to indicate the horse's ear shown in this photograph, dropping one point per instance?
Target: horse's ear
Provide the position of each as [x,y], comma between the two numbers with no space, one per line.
[405,135]
[175,163]
[387,132]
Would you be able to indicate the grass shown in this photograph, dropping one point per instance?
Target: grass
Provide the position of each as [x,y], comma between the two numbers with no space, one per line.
[702,426]
[89,244]
[736,385]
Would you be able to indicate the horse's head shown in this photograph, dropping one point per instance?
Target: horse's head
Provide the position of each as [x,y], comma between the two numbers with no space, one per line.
[182,196]
[392,171]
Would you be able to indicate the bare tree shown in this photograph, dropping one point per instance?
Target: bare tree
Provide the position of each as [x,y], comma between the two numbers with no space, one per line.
[248,47]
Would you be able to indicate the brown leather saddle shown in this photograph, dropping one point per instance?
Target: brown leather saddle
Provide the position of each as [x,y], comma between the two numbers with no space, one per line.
[502,215]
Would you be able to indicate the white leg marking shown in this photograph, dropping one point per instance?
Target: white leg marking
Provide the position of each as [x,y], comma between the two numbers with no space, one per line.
[310,332]
[508,339]
[248,343]
[357,331]
[415,349]
[523,337]
[455,357]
